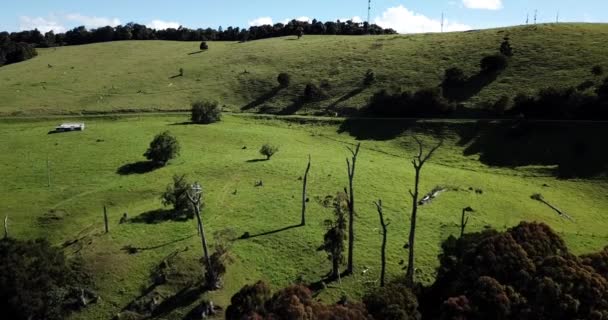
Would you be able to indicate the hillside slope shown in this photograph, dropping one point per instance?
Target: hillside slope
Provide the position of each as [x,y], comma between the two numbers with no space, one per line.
[143,75]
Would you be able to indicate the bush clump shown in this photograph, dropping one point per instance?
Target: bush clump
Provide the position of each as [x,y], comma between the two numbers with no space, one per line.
[204,46]
[313,93]
[284,79]
[163,148]
[268,150]
[176,196]
[38,282]
[206,112]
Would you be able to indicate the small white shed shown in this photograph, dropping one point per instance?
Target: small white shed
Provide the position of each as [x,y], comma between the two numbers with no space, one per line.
[70,127]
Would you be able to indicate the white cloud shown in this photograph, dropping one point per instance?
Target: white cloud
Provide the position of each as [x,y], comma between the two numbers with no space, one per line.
[162,25]
[304,19]
[260,21]
[405,21]
[483,4]
[92,22]
[355,19]
[42,24]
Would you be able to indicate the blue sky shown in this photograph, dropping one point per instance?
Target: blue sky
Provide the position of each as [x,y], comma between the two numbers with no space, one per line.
[403,15]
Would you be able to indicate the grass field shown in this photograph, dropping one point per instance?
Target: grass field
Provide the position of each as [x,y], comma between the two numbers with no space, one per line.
[141,76]
[84,175]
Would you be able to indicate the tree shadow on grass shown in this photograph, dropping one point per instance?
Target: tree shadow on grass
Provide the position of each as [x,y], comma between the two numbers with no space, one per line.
[246,235]
[347,97]
[256,160]
[262,99]
[185,297]
[196,52]
[469,88]
[575,149]
[159,216]
[375,129]
[140,167]
[294,107]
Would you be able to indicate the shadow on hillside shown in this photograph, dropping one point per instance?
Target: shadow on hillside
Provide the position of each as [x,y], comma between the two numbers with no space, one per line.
[196,52]
[246,235]
[183,298]
[376,129]
[159,216]
[140,167]
[347,97]
[262,99]
[294,107]
[577,150]
[133,250]
[469,88]
[256,160]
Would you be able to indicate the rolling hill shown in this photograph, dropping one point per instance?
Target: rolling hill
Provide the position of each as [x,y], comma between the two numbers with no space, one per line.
[144,75]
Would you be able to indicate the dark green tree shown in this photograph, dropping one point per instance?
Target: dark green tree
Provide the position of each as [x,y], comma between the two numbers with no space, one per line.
[163,148]
[284,79]
[176,195]
[204,46]
[268,150]
[333,240]
[206,112]
[505,47]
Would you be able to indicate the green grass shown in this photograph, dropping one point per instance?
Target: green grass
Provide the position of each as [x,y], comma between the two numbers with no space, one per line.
[122,76]
[84,178]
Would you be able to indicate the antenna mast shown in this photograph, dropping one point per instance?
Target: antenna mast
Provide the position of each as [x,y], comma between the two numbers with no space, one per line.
[442,21]
[557,18]
[369,10]
[527,18]
[535,15]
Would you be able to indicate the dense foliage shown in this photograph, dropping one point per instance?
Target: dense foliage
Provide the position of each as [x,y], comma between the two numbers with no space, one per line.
[523,273]
[295,302]
[37,281]
[176,196]
[134,31]
[163,148]
[268,150]
[423,103]
[13,52]
[206,112]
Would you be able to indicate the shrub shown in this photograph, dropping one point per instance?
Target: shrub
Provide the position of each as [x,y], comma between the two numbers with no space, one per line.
[204,46]
[370,78]
[493,64]
[395,301]
[268,150]
[597,70]
[284,80]
[206,112]
[249,302]
[505,48]
[176,195]
[163,148]
[37,281]
[454,77]
[181,72]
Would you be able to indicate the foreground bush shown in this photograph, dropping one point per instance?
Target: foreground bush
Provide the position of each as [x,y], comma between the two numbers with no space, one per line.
[163,148]
[37,281]
[206,112]
[294,302]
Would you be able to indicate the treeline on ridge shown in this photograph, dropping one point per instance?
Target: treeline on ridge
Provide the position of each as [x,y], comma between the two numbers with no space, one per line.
[134,31]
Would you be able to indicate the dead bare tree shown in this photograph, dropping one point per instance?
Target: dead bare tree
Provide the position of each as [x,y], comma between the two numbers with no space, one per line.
[418,162]
[304,195]
[384,233]
[195,198]
[351,206]
[464,219]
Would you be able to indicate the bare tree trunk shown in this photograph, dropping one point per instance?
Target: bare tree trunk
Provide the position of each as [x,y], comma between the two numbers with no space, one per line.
[409,275]
[463,222]
[304,195]
[418,163]
[6,227]
[210,272]
[384,234]
[105,219]
[351,207]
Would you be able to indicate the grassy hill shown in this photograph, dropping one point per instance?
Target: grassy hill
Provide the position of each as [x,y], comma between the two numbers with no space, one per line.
[141,76]
[85,174]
